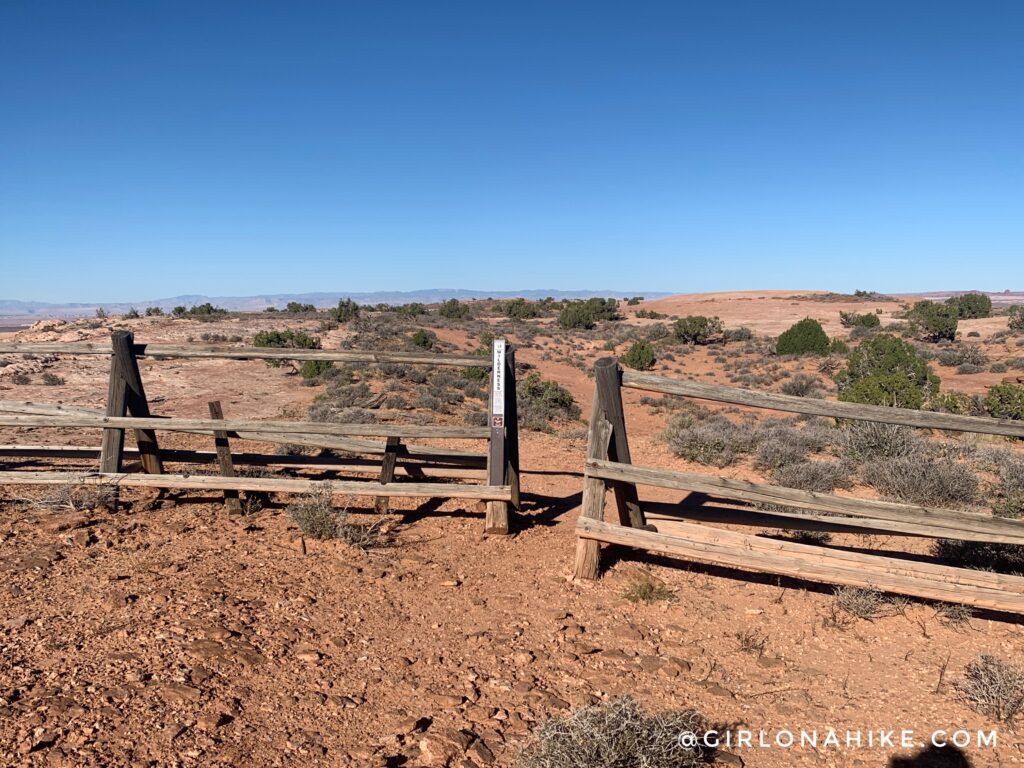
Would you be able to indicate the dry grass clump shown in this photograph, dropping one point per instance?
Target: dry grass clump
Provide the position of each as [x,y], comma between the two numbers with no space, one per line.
[317,517]
[801,385]
[710,438]
[993,687]
[865,604]
[615,734]
[924,480]
[868,441]
[647,589]
[75,498]
[818,476]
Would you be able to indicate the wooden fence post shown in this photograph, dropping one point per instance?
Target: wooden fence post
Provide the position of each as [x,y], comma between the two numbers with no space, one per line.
[125,394]
[497,461]
[387,470]
[588,551]
[607,376]
[227,467]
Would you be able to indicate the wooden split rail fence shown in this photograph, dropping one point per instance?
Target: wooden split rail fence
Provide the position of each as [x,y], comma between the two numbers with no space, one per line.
[673,533]
[128,409]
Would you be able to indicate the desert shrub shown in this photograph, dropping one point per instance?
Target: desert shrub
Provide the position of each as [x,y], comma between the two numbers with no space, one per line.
[540,402]
[153,311]
[937,321]
[656,332]
[286,339]
[453,309]
[960,354]
[804,337]
[780,444]
[968,368]
[640,356]
[315,514]
[21,379]
[296,307]
[313,369]
[586,314]
[801,385]
[885,370]
[131,314]
[708,438]
[646,589]
[179,311]
[998,368]
[697,329]
[650,314]
[1005,401]
[615,734]
[819,476]
[52,379]
[411,310]
[423,339]
[739,334]
[101,313]
[971,305]
[838,347]
[1009,490]
[957,402]
[634,300]
[206,309]
[854,320]
[869,440]
[923,480]
[1015,320]
[1001,558]
[345,311]
[993,687]
[861,603]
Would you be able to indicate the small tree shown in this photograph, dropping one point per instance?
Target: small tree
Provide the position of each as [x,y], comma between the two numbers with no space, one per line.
[886,370]
[971,305]
[640,356]
[153,311]
[938,321]
[804,337]
[697,329]
[345,311]
[296,307]
[179,311]
[131,314]
[453,309]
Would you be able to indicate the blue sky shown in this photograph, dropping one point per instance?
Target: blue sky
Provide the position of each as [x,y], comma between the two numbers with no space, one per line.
[231,148]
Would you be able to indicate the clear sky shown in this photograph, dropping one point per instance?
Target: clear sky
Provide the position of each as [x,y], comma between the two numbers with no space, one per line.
[150,149]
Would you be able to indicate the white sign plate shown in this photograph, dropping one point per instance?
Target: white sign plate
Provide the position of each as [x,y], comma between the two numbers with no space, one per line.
[498,378]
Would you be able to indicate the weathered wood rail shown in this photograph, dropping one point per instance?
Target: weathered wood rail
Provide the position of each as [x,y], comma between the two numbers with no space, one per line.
[127,409]
[608,463]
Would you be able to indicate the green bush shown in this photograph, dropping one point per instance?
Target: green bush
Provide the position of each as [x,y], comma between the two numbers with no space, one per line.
[541,402]
[640,356]
[1016,318]
[206,309]
[971,305]
[345,311]
[650,314]
[312,369]
[413,309]
[805,337]
[424,339]
[179,311]
[937,321]
[153,311]
[586,314]
[453,309]
[697,329]
[886,370]
[1005,401]
[286,339]
[295,307]
[521,309]
[853,320]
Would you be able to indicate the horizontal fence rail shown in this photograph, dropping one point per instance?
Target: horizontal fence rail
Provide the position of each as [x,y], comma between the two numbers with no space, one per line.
[810,406]
[174,424]
[745,552]
[250,353]
[939,523]
[671,531]
[260,484]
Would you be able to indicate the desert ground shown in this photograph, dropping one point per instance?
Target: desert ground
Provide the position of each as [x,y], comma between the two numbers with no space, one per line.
[167,631]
